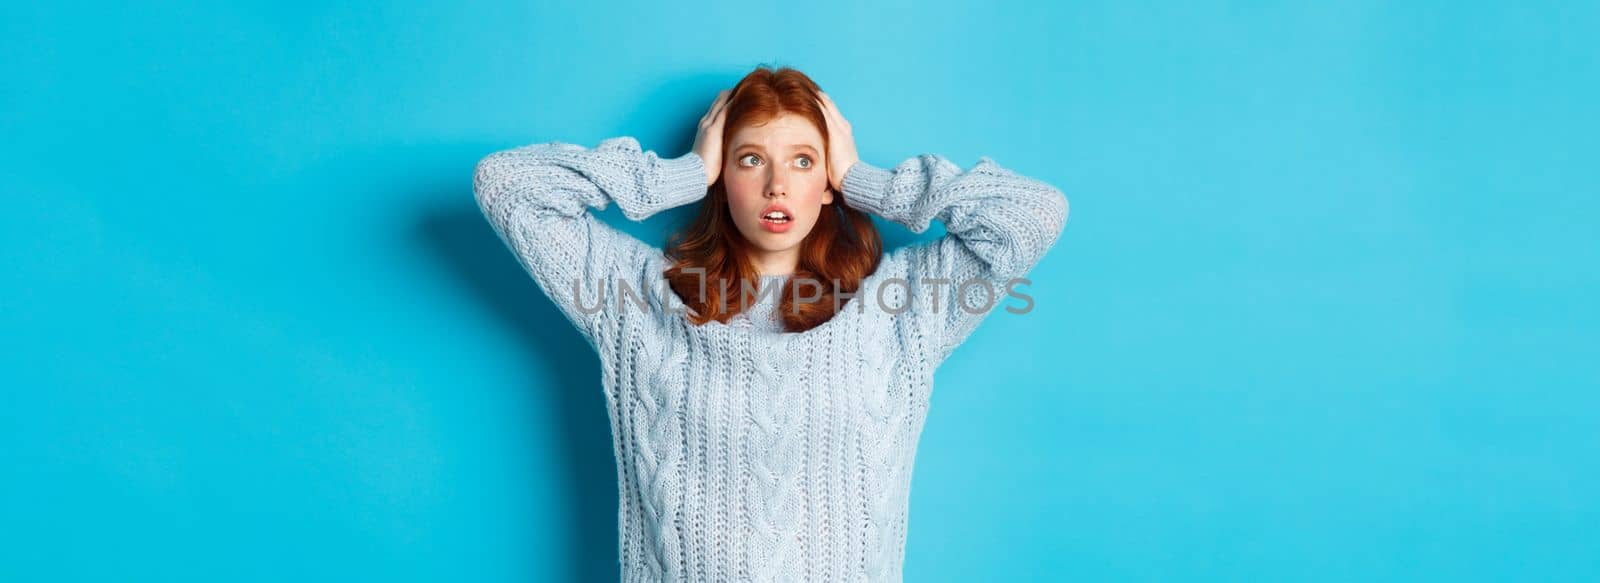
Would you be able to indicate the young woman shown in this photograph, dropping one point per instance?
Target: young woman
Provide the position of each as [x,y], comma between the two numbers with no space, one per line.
[772,437]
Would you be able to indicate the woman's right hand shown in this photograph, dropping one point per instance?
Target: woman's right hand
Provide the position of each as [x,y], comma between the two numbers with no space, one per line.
[708,142]
[841,143]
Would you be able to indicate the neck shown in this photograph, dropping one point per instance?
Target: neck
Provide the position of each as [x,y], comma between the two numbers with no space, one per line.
[776,262]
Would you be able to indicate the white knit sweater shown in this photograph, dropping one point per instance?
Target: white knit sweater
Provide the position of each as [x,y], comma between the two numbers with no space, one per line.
[744,453]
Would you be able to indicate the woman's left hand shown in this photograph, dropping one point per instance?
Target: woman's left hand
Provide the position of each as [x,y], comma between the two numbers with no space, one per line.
[841,144]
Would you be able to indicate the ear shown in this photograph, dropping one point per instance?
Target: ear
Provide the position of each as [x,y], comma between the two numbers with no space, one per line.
[827,195]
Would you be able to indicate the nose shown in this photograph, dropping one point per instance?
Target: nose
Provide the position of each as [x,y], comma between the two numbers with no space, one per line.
[777,185]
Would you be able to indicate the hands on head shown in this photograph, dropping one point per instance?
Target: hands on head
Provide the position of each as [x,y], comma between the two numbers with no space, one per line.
[841,143]
[708,141]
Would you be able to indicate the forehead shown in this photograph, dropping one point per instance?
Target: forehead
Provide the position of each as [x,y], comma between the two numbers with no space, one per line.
[784,132]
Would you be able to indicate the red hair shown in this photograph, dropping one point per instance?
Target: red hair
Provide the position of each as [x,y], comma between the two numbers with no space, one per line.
[711,255]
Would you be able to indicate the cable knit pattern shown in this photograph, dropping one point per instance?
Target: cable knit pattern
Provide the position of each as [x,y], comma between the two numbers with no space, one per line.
[745,453]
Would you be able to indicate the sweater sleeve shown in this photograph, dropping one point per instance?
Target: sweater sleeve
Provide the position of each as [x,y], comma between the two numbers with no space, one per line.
[538,199]
[998,224]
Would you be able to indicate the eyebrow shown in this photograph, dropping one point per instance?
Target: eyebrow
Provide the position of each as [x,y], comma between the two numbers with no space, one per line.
[758,147]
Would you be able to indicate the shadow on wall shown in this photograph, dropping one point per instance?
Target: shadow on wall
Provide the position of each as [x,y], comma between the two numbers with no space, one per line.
[470,249]
[467,249]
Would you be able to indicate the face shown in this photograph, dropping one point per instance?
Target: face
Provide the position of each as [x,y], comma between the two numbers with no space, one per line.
[778,164]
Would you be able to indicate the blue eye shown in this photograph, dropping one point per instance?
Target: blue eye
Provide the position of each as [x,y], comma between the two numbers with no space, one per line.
[806,162]
[748,156]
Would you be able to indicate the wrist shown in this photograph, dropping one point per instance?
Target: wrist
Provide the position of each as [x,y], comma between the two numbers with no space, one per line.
[682,179]
[865,187]
[711,169]
[847,165]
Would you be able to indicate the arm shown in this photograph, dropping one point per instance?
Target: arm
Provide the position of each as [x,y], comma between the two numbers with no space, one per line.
[538,198]
[998,224]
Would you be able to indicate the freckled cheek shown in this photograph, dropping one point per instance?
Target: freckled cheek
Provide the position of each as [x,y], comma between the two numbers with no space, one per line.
[743,197]
[814,196]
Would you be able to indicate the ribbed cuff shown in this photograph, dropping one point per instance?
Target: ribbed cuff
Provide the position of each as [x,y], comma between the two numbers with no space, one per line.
[866,187]
[681,180]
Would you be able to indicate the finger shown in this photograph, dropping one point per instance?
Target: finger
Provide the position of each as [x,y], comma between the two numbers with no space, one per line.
[834,107]
[716,106]
[714,116]
[831,111]
[827,110]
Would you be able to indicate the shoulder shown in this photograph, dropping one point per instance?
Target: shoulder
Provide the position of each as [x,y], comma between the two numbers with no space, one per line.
[637,300]
[897,303]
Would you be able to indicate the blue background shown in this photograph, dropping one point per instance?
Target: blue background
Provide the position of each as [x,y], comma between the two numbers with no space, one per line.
[1324,309]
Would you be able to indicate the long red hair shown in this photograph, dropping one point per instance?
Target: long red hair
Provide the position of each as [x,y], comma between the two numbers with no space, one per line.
[842,248]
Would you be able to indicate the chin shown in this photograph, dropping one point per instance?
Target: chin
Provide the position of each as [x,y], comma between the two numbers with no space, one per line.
[773,242]
[770,246]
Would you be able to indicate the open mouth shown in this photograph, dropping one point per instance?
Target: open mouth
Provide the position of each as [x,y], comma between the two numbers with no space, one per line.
[777,219]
